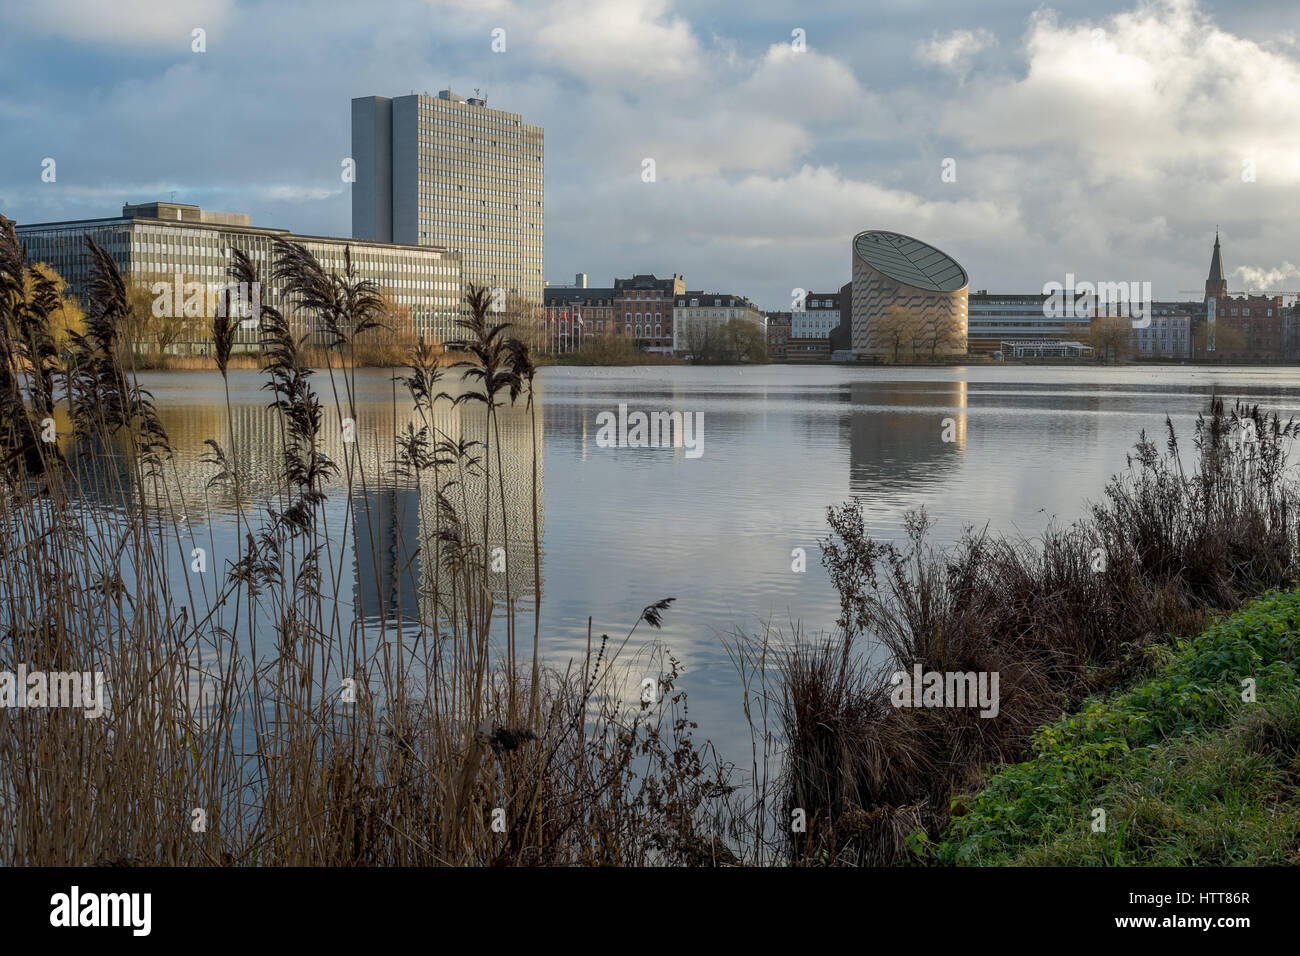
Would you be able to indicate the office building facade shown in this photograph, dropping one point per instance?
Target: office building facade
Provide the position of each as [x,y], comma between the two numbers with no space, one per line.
[997,317]
[159,242]
[451,172]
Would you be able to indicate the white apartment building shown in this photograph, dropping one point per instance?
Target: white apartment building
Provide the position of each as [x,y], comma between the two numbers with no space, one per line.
[699,314]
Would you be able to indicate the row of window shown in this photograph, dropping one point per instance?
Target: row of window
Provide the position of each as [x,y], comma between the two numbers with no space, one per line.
[681,303]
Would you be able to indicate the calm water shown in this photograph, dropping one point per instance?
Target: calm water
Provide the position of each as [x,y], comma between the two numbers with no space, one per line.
[626,526]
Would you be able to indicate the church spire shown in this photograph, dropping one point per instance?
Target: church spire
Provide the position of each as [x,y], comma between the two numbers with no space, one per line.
[1216,287]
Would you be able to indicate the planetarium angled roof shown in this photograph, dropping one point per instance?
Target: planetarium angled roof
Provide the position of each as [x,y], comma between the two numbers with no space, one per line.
[910,261]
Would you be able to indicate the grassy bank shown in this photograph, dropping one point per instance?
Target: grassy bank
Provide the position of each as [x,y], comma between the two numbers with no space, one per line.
[1074,614]
[1186,772]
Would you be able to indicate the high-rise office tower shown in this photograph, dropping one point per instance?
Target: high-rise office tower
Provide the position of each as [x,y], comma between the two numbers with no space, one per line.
[447,171]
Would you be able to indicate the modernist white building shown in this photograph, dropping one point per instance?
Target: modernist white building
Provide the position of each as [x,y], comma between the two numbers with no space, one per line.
[152,242]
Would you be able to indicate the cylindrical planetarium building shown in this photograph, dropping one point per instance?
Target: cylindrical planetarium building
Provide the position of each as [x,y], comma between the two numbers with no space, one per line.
[905,291]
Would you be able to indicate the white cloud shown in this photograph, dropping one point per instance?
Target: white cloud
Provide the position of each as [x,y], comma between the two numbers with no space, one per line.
[286,192]
[123,22]
[1260,279]
[955,50]
[619,43]
[1098,145]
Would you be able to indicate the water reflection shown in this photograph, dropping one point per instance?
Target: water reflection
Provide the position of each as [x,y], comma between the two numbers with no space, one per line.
[386,538]
[626,526]
[902,437]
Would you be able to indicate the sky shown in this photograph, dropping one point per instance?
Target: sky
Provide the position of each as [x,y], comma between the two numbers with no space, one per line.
[1101,139]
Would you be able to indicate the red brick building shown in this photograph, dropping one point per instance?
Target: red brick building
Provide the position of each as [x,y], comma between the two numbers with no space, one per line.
[778,335]
[646,306]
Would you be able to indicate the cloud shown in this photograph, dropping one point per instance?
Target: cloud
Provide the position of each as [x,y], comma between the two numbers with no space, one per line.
[622,44]
[954,51]
[1258,279]
[137,23]
[1104,143]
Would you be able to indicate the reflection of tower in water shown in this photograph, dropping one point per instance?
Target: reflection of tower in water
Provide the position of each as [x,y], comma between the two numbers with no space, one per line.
[899,438]
[386,525]
[509,543]
[393,523]
[399,559]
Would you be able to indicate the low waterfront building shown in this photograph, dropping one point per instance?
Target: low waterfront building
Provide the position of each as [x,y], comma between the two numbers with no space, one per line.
[158,242]
[1045,348]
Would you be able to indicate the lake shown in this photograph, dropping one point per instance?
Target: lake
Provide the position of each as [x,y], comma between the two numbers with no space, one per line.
[1013,448]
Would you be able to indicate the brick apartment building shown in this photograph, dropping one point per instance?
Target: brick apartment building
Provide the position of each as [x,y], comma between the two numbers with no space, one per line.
[646,304]
[778,335]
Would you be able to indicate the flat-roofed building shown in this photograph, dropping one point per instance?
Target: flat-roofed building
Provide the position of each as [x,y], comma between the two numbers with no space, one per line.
[994,318]
[157,242]
[1045,348]
[450,172]
[1168,336]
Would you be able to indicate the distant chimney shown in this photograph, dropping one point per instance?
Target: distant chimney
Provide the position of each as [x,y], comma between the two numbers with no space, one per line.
[580,280]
